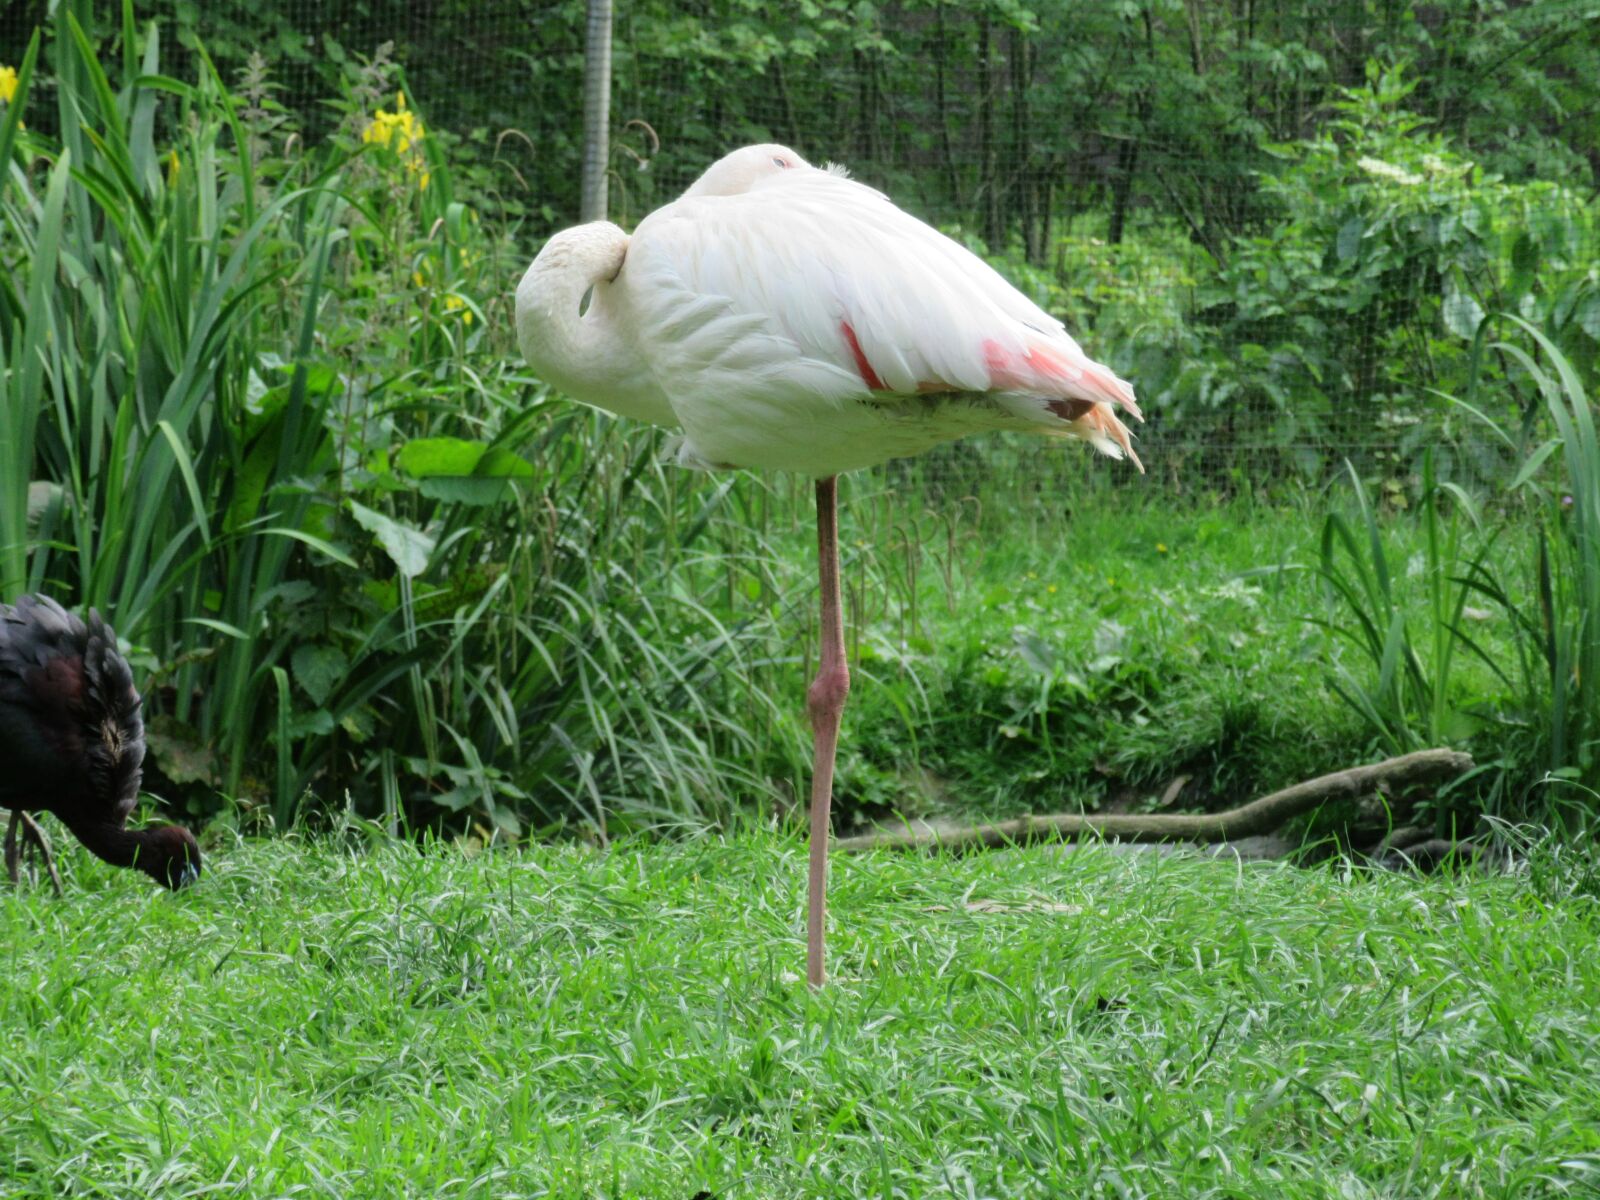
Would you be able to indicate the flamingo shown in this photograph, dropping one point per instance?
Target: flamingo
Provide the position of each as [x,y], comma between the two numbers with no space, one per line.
[786,317]
[72,738]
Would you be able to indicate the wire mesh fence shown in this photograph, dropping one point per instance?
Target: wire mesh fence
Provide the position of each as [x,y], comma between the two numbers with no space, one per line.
[1285,222]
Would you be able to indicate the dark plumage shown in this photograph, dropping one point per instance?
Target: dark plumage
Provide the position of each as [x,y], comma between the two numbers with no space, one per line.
[72,740]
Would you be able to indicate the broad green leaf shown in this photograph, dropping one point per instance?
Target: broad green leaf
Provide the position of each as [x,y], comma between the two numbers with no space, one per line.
[428,457]
[1462,314]
[1589,316]
[466,489]
[407,546]
[1034,651]
[181,753]
[458,471]
[312,724]
[1524,256]
[319,669]
[499,463]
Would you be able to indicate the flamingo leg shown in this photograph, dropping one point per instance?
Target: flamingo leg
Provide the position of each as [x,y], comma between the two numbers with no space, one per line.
[825,704]
[12,867]
[34,834]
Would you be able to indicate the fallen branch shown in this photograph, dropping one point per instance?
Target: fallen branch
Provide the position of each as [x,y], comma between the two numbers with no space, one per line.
[1257,817]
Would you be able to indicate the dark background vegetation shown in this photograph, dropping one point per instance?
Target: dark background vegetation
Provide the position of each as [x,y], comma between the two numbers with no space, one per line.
[362,558]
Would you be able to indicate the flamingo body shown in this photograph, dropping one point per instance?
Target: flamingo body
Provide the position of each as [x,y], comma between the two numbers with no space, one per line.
[785,317]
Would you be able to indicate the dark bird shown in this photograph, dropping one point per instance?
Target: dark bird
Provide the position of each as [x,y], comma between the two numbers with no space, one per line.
[72,743]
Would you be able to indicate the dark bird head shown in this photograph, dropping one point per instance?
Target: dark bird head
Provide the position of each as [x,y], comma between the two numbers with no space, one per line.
[169,855]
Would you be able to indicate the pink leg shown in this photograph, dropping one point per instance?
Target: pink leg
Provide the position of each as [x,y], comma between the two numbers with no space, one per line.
[825,703]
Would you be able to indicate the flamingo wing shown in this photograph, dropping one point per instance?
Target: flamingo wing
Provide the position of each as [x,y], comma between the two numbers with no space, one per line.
[816,286]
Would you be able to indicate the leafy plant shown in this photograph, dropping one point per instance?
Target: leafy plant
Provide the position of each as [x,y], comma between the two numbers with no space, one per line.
[1367,289]
[1559,627]
[353,550]
[1407,694]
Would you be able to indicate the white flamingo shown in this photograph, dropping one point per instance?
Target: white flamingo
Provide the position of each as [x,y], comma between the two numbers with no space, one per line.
[786,317]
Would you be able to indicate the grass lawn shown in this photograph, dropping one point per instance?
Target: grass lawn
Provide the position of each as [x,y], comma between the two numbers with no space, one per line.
[375,1022]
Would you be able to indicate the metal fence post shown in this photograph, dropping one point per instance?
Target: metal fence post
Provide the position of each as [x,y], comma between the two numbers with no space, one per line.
[596,111]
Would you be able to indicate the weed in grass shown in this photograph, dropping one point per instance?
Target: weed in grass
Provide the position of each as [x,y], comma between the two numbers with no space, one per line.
[1557,868]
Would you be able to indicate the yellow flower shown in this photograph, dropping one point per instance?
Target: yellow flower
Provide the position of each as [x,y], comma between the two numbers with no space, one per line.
[8,88]
[454,302]
[173,168]
[1161,547]
[401,132]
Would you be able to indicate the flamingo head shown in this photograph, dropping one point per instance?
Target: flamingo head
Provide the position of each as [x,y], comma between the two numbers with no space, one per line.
[742,169]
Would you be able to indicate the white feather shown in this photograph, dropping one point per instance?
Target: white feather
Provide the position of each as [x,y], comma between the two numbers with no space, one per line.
[743,298]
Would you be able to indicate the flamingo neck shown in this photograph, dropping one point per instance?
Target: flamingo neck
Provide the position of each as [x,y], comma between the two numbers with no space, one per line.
[587,355]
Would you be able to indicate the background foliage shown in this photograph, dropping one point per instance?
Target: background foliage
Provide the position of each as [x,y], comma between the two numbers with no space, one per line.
[260,403]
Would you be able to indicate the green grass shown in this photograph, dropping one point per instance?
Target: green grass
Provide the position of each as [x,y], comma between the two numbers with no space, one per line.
[375,1022]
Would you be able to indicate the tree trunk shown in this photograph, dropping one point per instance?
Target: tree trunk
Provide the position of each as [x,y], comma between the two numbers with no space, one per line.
[789,117]
[989,185]
[1197,57]
[1128,151]
[863,103]
[1026,182]
[1122,188]
[941,53]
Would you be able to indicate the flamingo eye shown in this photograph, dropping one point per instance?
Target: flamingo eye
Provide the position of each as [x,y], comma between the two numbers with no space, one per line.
[780,162]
